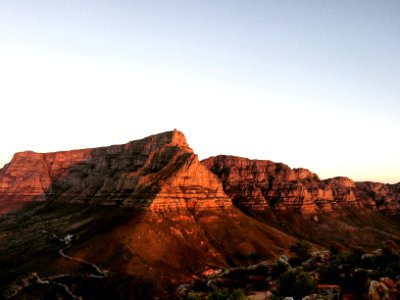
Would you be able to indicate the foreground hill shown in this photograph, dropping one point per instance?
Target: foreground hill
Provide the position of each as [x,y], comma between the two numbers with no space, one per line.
[136,220]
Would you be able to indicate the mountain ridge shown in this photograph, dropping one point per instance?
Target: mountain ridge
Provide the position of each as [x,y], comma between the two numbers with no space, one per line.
[136,172]
[264,184]
[149,214]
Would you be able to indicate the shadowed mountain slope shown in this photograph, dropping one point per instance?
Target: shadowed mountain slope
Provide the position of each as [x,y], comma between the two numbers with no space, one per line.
[147,211]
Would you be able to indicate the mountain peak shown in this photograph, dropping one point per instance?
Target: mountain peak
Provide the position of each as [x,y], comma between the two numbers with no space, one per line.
[178,138]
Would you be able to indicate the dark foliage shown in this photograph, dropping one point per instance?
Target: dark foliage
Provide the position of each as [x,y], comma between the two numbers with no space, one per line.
[296,283]
[118,286]
[352,270]
[301,252]
[278,269]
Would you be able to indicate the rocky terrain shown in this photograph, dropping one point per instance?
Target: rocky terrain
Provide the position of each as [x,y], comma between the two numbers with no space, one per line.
[160,172]
[257,185]
[134,221]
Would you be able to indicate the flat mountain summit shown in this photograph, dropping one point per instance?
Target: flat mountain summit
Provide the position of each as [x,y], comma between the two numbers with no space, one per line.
[149,215]
[162,172]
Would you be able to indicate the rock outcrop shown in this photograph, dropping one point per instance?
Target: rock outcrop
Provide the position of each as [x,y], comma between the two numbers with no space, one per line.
[384,288]
[159,172]
[258,185]
[383,197]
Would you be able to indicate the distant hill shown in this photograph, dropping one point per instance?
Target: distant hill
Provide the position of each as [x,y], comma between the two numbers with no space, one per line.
[259,185]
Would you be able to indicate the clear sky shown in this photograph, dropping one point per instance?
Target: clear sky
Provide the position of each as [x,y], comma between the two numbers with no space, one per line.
[313,84]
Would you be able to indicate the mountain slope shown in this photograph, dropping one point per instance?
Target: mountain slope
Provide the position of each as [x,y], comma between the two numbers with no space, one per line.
[297,202]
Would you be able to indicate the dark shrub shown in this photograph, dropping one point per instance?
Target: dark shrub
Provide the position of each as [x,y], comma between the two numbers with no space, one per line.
[301,251]
[296,284]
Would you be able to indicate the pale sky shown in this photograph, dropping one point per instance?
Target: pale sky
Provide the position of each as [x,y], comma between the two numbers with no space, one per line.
[312,84]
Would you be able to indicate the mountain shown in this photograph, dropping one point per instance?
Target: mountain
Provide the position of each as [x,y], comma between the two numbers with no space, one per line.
[256,185]
[147,211]
[296,201]
[135,220]
[160,172]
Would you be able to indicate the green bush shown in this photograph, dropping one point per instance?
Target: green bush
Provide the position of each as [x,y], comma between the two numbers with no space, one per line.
[218,294]
[301,251]
[193,296]
[278,268]
[223,294]
[237,294]
[296,284]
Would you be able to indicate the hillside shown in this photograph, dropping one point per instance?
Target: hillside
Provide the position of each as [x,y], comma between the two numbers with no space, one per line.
[147,210]
[296,201]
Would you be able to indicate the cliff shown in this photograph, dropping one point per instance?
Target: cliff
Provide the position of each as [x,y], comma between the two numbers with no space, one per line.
[383,197]
[258,185]
[159,172]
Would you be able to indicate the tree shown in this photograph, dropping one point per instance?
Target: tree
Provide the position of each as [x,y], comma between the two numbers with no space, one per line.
[218,294]
[279,268]
[237,294]
[296,284]
[223,294]
[301,251]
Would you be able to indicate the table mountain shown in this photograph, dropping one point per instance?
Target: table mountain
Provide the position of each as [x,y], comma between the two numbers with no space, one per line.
[127,220]
[148,213]
[160,172]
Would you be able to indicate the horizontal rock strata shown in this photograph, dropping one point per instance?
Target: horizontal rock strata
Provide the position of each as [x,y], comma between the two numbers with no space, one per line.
[159,172]
[258,185]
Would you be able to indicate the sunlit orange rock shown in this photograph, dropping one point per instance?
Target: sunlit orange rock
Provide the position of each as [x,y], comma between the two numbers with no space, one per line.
[258,185]
[159,172]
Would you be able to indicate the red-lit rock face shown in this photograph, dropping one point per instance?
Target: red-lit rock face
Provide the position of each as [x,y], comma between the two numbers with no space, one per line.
[385,197]
[262,185]
[159,172]
[30,174]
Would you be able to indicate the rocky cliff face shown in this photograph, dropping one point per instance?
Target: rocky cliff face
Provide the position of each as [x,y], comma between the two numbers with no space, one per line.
[159,172]
[261,185]
[384,197]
